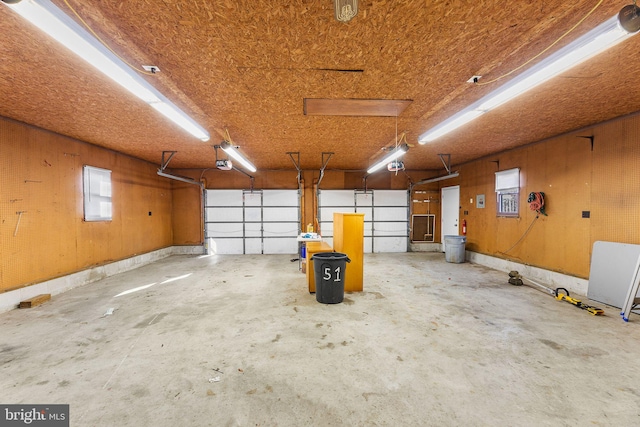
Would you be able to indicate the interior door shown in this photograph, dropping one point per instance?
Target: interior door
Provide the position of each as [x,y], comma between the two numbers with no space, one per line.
[450,212]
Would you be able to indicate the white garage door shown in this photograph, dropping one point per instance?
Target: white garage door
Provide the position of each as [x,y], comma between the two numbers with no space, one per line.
[386,214]
[252,222]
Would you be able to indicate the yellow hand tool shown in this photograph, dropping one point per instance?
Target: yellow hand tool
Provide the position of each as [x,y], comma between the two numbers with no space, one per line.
[517,279]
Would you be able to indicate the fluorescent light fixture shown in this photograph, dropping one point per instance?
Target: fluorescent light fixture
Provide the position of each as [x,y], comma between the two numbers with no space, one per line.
[395,154]
[599,39]
[233,152]
[179,117]
[460,119]
[58,25]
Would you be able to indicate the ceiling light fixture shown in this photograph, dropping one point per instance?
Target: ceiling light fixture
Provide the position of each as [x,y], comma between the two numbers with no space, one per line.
[601,38]
[394,155]
[345,10]
[53,21]
[233,152]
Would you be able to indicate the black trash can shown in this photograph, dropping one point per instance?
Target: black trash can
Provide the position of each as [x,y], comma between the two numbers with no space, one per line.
[329,269]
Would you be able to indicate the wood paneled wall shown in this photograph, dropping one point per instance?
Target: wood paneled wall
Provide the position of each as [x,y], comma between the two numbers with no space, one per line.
[605,182]
[41,176]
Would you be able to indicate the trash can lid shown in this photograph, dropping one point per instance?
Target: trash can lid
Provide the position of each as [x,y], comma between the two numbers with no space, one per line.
[330,256]
[452,238]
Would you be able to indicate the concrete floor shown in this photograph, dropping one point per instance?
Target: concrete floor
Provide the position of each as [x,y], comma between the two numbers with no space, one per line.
[240,342]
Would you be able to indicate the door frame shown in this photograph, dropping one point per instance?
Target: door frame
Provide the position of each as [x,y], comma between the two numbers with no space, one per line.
[450,213]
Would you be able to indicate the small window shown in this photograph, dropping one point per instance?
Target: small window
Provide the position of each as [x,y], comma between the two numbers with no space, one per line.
[508,192]
[97,194]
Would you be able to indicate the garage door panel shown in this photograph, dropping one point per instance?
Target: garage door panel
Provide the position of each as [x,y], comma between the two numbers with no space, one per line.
[364,199]
[386,212]
[368,213]
[326,229]
[258,221]
[281,214]
[390,228]
[280,245]
[224,198]
[225,246]
[368,229]
[280,229]
[224,214]
[390,198]
[253,199]
[390,244]
[253,229]
[253,214]
[253,246]
[224,229]
[390,214]
[368,245]
[280,198]
[326,214]
[337,198]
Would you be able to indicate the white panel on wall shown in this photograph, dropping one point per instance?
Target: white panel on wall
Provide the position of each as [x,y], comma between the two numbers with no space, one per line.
[612,269]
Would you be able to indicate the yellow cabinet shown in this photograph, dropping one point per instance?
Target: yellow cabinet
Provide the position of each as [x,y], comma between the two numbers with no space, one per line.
[348,238]
[314,248]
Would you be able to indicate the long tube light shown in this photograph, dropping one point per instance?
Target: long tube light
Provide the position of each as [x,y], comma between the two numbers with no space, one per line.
[53,21]
[233,152]
[394,155]
[604,36]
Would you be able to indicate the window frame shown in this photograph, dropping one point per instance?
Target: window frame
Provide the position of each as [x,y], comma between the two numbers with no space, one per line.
[97,194]
[508,193]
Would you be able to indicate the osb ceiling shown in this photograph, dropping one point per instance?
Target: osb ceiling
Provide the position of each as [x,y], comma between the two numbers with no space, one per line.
[248,65]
